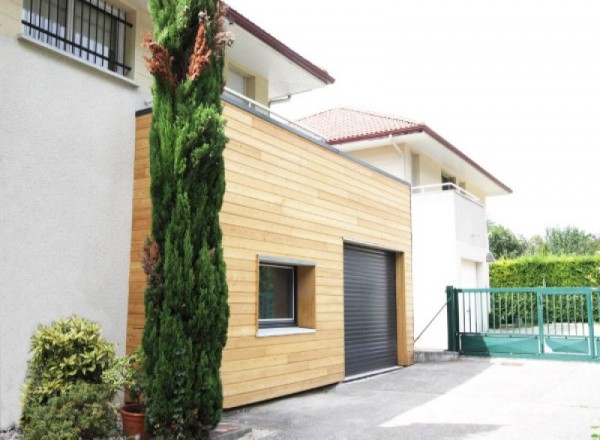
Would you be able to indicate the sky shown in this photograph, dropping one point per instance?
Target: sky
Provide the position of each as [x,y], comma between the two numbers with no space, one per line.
[515,85]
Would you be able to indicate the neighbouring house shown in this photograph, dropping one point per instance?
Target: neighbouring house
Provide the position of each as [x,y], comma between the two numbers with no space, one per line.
[307,229]
[449,192]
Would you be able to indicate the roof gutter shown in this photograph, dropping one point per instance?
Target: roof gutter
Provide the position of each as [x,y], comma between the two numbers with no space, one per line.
[466,158]
[277,45]
[421,128]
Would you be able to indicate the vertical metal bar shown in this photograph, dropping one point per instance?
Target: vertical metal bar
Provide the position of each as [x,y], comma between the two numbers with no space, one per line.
[39,19]
[477,297]
[519,313]
[48,25]
[560,302]
[104,62]
[540,321]
[110,40]
[57,42]
[547,322]
[575,313]
[470,296]
[590,313]
[531,298]
[96,25]
[568,315]
[554,312]
[29,18]
[80,29]
[493,306]
[124,40]
[582,315]
[464,312]
[49,32]
[89,33]
[452,317]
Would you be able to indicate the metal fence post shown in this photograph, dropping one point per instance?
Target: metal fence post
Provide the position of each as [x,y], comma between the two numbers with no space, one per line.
[452,314]
[590,314]
[540,306]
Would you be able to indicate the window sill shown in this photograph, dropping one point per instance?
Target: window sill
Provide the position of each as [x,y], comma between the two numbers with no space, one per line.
[85,63]
[283,331]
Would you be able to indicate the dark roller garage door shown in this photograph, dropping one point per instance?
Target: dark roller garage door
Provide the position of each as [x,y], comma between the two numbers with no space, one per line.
[369,310]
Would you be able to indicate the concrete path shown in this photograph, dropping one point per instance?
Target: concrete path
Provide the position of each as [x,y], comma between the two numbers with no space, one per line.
[468,399]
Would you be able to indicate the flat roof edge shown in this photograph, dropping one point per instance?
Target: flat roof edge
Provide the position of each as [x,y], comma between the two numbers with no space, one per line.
[238,104]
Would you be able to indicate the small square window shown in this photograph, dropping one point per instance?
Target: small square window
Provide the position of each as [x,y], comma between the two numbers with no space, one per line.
[277,296]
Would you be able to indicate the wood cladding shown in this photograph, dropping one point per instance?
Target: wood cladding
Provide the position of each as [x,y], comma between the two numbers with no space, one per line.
[291,198]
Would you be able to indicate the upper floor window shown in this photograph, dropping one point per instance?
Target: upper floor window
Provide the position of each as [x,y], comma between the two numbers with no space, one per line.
[448,182]
[236,82]
[91,30]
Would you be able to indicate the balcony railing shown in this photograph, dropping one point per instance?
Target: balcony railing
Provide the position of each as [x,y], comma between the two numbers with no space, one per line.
[263,109]
[446,187]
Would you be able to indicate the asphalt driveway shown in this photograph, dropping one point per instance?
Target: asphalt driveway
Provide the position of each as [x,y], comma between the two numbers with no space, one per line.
[467,399]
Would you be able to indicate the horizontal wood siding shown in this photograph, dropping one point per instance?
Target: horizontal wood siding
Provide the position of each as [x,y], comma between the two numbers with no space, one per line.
[286,197]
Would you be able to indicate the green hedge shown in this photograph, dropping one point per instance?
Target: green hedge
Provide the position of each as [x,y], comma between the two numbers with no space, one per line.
[550,271]
[537,271]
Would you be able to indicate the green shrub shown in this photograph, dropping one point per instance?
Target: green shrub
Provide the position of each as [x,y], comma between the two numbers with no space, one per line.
[83,411]
[550,271]
[186,297]
[126,374]
[64,354]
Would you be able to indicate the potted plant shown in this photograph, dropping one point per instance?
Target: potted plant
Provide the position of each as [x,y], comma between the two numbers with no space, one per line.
[126,374]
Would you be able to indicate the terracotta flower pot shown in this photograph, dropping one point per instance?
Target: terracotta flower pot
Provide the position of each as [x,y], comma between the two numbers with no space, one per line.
[133,416]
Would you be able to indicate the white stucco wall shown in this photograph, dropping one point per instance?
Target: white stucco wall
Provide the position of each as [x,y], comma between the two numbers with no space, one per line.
[66,176]
[387,159]
[430,171]
[447,236]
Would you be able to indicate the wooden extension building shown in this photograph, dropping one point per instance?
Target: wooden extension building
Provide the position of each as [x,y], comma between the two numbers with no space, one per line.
[318,253]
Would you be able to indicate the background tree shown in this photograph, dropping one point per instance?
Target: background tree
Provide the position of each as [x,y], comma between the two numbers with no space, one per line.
[186,296]
[504,243]
[571,241]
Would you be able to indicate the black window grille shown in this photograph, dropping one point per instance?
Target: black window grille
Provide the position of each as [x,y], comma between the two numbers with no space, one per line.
[89,29]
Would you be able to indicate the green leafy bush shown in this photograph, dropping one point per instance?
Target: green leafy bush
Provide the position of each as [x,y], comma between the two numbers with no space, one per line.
[126,374]
[64,354]
[550,271]
[83,411]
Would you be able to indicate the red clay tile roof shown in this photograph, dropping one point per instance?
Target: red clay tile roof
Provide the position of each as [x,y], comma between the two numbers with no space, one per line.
[340,125]
[344,125]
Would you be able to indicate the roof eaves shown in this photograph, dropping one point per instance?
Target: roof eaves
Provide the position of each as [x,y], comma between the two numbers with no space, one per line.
[376,135]
[273,42]
[466,158]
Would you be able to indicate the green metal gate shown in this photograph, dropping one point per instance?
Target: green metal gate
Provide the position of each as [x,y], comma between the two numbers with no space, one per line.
[550,322]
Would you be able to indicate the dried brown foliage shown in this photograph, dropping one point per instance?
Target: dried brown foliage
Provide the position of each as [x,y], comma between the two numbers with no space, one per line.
[149,261]
[200,57]
[160,64]
[222,38]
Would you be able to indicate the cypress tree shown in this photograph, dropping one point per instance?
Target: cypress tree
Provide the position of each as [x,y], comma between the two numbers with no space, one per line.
[186,295]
